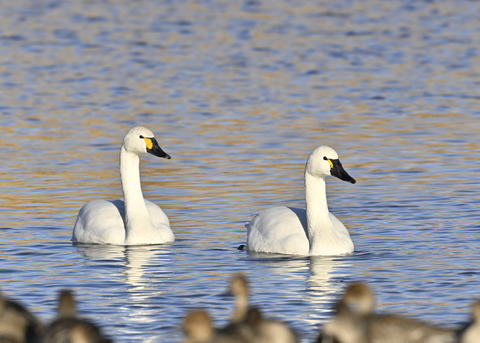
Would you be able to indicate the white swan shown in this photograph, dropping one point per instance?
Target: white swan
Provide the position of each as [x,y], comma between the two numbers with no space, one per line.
[314,231]
[132,221]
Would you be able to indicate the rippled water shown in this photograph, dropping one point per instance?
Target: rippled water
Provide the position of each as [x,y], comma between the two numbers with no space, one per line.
[239,93]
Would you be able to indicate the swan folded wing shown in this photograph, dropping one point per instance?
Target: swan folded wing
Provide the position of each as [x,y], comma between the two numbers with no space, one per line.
[343,244]
[160,222]
[278,230]
[100,222]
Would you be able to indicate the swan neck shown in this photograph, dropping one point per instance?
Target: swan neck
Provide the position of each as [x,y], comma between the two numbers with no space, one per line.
[136,214]
[318,216]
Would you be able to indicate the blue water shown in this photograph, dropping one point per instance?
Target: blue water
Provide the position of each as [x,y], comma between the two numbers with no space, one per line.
[239,93]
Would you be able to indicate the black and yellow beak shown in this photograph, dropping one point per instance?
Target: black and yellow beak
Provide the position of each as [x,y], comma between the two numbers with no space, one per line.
[154,149]
[336,169]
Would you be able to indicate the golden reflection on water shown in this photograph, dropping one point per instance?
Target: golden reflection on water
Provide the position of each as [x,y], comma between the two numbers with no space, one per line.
[34,174]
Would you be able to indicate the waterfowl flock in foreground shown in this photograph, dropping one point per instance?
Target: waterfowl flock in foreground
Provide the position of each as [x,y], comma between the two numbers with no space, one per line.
[354,320]
[20,325]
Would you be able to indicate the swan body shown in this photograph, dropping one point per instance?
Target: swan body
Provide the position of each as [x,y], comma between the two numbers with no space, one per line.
[310,231]
[133,220]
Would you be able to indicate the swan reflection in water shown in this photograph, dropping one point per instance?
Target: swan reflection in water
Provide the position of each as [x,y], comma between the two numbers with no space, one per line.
[324,278]
[134,259]
[328,275]
[133,296]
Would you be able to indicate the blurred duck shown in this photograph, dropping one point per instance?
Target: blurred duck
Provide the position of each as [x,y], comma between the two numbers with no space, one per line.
[355,322]
[311,231]
[17,324]
[472,332]
[198,328]
[238,287]
[68,328]
[267,330]
[249,324]
[237,327]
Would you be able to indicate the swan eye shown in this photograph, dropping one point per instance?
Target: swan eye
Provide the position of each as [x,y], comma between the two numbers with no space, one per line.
[148,141]
[329,161]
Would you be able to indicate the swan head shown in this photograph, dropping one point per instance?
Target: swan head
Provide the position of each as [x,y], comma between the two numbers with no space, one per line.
[324,162]
[141,140]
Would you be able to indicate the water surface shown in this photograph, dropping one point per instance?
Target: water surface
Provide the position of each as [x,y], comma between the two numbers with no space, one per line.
[239,93]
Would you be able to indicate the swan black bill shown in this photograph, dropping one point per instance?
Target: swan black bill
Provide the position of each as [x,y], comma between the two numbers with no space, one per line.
[155,149]
[338,171]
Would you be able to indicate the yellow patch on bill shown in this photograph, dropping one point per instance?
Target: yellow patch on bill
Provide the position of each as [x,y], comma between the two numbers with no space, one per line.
[331,163]
[149,142]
